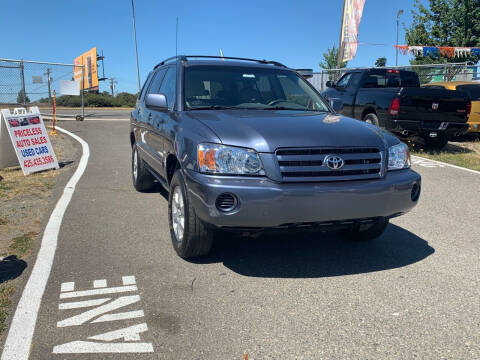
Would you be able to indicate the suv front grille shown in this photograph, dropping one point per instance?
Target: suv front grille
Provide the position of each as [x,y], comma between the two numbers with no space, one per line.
[308,165]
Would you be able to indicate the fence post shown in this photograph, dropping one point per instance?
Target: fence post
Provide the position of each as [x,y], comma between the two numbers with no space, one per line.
[321,80]
[83,91]
[22,79]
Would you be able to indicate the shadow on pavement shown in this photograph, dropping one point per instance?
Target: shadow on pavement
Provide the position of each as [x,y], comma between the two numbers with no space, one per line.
[316,254]
[11,267]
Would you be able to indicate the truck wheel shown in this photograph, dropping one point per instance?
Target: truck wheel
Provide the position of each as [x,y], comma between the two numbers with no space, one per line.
[436,143]
[357,233]
[142,179]
[371,119]
[190,236]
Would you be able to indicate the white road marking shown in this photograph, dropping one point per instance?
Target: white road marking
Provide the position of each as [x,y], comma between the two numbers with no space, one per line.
[443,164]
[100,283]
[120,316]
[90,314]
[131,333]
[128,280]
[19,338]
[425,163]
[82,304]
[101,291]
[67,286]
[88,347]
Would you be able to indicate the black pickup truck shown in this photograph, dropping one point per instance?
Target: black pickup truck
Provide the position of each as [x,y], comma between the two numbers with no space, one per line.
[394,100]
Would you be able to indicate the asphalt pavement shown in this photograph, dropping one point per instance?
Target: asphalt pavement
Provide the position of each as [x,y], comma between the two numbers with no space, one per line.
[101,113]
[118,286]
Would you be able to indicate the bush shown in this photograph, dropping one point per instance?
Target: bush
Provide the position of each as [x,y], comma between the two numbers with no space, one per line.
[104,99]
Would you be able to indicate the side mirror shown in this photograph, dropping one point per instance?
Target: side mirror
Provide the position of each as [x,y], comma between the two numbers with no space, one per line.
[336,104]
[330,84]
[156,101]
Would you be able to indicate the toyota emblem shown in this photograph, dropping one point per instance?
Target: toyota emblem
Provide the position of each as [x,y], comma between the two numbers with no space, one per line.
[334,162]
[434,106]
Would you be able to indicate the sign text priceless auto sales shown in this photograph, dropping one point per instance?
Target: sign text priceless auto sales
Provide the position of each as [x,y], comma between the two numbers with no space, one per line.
[30,140]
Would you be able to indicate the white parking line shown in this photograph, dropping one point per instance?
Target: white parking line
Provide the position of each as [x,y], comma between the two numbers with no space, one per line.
[19,339]
[447,164]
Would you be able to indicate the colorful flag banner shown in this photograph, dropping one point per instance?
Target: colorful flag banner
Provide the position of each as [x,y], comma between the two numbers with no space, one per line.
[352,15]
[436,51]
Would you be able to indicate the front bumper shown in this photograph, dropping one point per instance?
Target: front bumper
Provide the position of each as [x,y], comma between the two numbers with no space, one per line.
[424,128]
[264,204]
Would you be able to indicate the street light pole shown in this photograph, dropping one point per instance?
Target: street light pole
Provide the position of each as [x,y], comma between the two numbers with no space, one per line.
[400,12]
[135,38]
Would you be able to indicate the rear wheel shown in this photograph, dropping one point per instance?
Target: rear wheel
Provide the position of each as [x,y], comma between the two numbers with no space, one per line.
[190,236]
[365,232]
[371,119]
[436,143]
[142,179]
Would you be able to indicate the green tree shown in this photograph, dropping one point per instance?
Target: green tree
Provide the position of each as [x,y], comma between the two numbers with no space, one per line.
[381,62]
[22,97]
[444,23]
[330,61]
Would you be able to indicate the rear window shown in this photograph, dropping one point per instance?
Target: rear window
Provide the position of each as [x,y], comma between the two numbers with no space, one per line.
[472,90]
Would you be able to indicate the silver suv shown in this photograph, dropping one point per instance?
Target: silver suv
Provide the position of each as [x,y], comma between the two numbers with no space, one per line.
[250,145]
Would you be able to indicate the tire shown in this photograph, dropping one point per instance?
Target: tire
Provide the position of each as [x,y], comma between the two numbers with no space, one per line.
[371,119]
[141,177]
[436,143]
[195,239]
[356,233]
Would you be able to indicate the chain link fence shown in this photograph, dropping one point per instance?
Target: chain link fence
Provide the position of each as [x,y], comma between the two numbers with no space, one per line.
[427,73]
[31,83]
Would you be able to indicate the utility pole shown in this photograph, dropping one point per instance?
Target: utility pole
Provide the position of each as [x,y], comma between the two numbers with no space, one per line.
[135,38]
[400,12]
[113,82]
[48,83]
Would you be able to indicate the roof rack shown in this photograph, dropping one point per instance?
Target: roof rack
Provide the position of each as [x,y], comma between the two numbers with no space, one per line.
[185,58]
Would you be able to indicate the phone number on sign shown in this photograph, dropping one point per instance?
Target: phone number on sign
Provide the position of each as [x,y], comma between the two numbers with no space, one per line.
[43,160]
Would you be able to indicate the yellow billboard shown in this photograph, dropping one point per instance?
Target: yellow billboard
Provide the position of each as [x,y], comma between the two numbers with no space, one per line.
[90,74]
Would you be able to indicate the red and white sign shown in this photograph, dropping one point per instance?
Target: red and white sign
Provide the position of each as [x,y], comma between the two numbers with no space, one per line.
[30,140]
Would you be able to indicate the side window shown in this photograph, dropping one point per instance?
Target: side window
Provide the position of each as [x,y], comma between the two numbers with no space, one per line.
[375,81]
[169,86]
[343,82]
[145,86]
[156,82]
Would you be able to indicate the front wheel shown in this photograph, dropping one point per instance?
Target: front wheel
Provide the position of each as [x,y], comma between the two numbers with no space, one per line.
[365,232]
[190,236]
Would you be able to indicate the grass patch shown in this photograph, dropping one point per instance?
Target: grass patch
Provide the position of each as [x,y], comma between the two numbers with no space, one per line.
[464,154]
[21,245]
[3,221]
[5,294]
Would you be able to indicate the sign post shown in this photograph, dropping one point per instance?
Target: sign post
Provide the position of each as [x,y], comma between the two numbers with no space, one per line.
[30,139]
[54,115]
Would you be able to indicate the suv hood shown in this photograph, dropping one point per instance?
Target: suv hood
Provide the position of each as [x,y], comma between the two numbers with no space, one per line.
[266,131]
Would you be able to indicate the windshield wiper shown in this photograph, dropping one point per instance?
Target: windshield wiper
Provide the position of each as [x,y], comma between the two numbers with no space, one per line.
[213,107]
[289,108]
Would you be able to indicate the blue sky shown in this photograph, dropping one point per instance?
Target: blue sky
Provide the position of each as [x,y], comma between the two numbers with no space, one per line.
[295,33]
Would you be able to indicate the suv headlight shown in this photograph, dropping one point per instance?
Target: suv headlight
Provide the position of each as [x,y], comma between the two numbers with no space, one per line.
[398,157]
[228,160]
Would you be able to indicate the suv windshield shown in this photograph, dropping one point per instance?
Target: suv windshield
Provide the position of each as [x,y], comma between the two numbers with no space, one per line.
[228,87]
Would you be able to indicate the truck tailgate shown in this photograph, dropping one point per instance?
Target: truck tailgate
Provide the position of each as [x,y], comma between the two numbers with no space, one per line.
[425,104]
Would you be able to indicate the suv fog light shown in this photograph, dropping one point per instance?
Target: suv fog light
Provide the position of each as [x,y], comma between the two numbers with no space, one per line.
[415,192]
[433,134]
[226,202]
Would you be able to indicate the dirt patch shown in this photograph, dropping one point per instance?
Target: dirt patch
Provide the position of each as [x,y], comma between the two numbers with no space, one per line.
[25,205]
